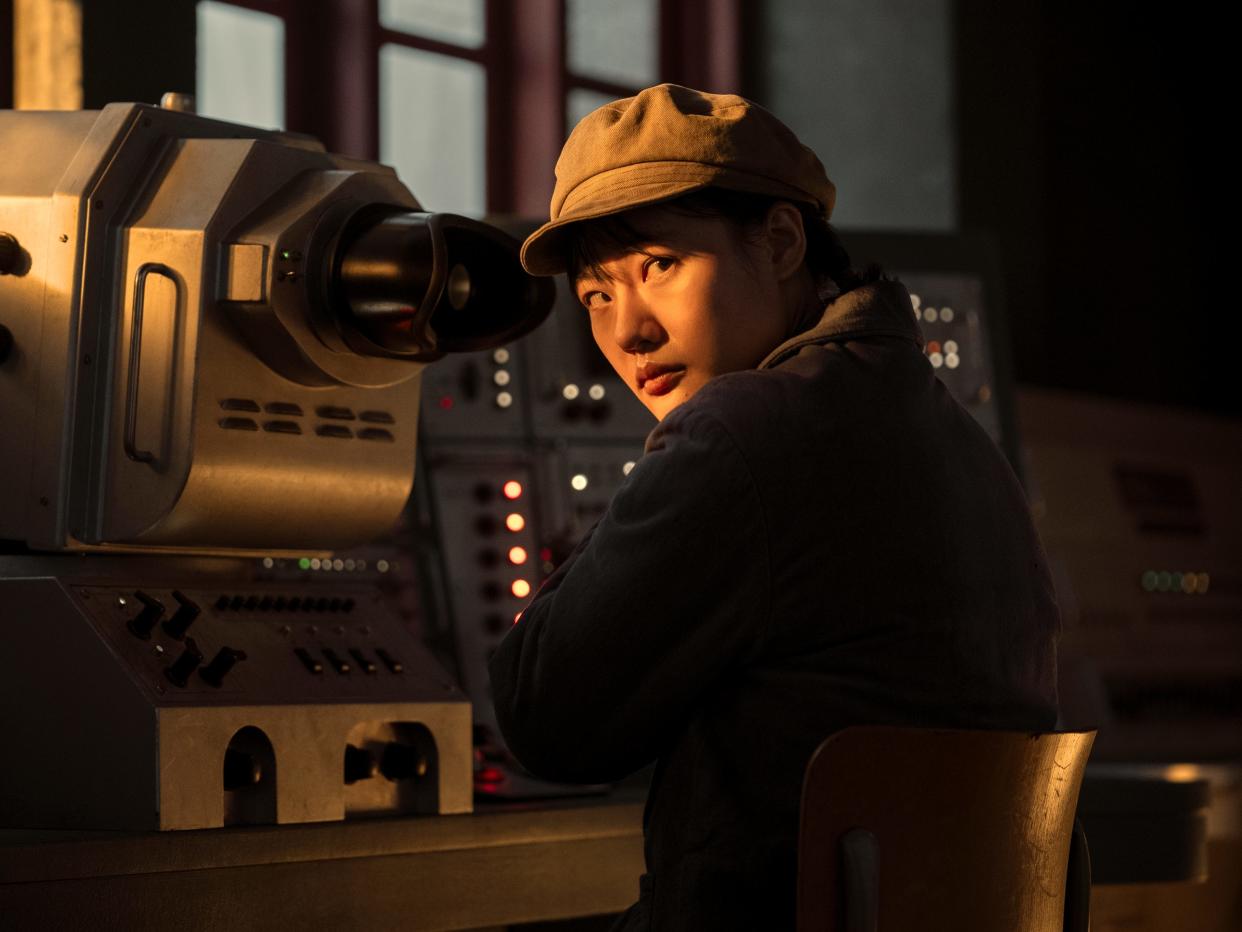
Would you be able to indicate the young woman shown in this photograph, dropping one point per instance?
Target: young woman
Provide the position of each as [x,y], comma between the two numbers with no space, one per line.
[816,536]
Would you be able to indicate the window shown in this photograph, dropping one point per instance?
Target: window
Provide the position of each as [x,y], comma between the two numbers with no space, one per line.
[470,100]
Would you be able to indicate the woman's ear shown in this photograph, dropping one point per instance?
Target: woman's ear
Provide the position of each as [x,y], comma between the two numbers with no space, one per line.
[786,239]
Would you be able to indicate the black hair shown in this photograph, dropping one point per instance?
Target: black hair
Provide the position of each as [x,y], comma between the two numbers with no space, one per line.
[587,243]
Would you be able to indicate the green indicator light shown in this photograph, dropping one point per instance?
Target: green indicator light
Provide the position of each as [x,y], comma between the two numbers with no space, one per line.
[304,563]
[1163,581]
[1176,585]
[1149,581]
[286,254]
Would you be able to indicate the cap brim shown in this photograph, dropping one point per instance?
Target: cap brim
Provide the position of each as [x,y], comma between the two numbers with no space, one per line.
[633,186]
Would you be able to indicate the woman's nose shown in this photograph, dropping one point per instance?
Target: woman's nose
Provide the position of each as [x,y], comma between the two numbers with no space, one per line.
[635,328]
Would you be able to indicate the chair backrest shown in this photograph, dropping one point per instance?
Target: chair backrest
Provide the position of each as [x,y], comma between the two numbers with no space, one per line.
[922,828]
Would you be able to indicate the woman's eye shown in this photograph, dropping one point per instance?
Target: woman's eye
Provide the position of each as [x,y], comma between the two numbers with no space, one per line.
[657,264]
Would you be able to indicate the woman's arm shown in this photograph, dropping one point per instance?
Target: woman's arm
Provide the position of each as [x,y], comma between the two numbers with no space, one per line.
[665,598]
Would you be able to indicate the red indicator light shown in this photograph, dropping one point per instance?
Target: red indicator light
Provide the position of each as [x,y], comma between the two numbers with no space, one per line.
[545,554]
[446,402]
[517,555]
[933,346]
[512,489]
[520,588]
[489,775]
[515,522]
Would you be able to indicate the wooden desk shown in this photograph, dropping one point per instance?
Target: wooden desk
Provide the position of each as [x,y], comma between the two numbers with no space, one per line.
[492,868]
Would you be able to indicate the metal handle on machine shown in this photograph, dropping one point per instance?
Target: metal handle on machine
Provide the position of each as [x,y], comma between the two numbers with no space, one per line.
[135,357]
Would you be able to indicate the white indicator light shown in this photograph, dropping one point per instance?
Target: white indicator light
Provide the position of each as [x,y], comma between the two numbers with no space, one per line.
[950,346]
[382,566]
[596,392]
[952,360]
[946,314]
[627,468]
[500,356]
[936,360]
[501,377]
[570,391]
[315,563]
[915,301]
[504,400]
[931,315]
[338,564]
[578,482]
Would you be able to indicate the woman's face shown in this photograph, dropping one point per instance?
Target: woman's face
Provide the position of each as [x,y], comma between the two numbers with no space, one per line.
[695,299]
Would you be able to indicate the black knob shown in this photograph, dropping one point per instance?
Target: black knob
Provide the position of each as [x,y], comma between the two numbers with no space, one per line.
[403,762]
[186,664]
[225,659]
[6,343]
[145,621]
[10,253]
[186,614]
[241,769]
[360,764]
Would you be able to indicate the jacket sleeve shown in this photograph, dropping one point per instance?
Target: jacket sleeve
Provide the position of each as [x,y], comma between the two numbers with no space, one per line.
[665,599]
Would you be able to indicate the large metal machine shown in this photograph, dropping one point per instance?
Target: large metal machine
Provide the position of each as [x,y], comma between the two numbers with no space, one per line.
[211,344]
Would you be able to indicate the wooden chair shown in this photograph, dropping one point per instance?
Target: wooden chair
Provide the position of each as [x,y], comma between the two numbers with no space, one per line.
[907,829]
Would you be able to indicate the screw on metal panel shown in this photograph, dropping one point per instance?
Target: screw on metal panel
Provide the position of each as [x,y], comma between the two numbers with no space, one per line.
[64,237]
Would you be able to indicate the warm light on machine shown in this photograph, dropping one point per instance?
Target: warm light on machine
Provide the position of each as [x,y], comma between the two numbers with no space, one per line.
[512,489]
[514,522]
[446,402]
[517,555]
[578,482]
[520,588]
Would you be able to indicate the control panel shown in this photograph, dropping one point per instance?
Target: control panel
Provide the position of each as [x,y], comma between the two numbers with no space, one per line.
[196,702]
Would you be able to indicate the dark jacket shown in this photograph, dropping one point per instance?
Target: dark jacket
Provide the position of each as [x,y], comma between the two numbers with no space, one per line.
[829,539]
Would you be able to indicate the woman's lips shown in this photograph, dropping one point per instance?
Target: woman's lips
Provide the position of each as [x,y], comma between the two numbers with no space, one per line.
[663,383]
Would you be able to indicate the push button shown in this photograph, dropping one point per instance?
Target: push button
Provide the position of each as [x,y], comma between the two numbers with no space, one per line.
[224,661]
[308,660]
[187,613]
[142,624]
[339,663]
[186,664]
[391,662]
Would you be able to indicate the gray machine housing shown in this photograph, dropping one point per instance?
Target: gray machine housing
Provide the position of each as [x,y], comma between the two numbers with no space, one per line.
[175,382]
[182,385]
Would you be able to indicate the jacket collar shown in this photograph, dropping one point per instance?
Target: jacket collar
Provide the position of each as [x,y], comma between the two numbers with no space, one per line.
[881,308]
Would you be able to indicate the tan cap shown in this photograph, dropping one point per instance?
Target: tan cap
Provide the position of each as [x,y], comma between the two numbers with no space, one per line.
[664,142]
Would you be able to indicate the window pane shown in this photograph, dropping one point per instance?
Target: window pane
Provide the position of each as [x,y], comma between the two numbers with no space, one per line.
[613,40]
[459,21]
[432,127]
[580,102]
[241,65]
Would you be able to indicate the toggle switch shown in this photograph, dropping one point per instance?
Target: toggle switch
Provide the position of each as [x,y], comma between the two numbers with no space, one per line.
[142,624]
[241,770]
[360,764]
[186,664]
[224,661]
[403,762]
[187,613]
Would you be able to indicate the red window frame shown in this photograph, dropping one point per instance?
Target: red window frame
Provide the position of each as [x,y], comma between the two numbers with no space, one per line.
[332,77]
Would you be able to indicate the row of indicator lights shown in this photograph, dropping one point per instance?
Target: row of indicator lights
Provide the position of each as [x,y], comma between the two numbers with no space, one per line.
[515,522]
[339,565]
[1165,581]
[502,378]
[943,355]
[930,314]
[579,481]
[573,392]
